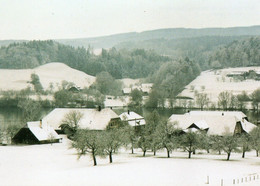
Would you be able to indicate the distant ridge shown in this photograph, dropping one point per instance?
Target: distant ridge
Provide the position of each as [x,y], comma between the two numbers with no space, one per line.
[168,33]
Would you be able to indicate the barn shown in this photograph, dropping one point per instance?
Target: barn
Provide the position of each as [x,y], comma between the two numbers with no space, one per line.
[36,133]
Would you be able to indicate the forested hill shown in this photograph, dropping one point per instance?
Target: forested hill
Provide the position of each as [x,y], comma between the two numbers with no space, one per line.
[237,54]
[137,63]
[170,33]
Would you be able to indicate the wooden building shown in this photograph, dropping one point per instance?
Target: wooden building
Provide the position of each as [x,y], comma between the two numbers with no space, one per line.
[36,133]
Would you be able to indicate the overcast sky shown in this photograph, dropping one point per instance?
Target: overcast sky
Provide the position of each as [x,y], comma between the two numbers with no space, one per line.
[54,19]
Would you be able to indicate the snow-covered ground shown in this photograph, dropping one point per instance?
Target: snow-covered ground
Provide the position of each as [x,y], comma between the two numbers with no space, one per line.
[58,165]
[214,82]
[49,73]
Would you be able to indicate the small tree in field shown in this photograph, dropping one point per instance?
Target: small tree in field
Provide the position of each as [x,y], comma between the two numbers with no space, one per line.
[255,139]
[130,137]
[90,142]
[112,141]
[244,141]
[152,121]
[204,141]
[217,144]
[189,142]
[144,141]
[166,136]
[229,144]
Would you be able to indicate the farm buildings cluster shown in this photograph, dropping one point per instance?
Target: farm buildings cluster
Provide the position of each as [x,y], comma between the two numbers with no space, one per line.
[48,129]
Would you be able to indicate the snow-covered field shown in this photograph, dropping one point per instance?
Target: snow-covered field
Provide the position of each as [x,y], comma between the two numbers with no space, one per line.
[58,165]
[49,73]
[214,82]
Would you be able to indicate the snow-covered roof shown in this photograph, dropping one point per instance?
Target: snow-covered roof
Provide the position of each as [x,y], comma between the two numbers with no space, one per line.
[92,118]
[247,126]
[240,115]
[133,118]
[217,124]
[202,124]
[42,132]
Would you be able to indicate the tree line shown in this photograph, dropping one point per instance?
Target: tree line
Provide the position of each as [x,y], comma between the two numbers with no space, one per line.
[136,63]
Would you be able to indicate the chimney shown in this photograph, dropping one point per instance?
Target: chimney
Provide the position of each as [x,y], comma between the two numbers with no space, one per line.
[99,108]
[128,112]
[222,113]
[40,123]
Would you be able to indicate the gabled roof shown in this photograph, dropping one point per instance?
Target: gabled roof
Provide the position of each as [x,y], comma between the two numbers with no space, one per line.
[202,124]
[247,126]
[217,124]
[92,118]
[133,118]
[42,133]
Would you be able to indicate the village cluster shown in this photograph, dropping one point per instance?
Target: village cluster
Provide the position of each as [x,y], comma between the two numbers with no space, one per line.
[222,131]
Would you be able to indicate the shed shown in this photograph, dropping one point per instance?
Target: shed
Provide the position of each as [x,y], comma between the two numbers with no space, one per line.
[36,133]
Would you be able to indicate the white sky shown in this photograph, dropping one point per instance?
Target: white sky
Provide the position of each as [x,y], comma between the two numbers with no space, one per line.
[54,19]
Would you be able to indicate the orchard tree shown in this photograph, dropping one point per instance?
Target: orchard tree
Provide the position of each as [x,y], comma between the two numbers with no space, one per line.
[144,140]
[152,121]
[88,142]
[166,135]
[112,141]
[130,137]
[255,139]
[217,144]
[189,142]
[229,144]
[244,141]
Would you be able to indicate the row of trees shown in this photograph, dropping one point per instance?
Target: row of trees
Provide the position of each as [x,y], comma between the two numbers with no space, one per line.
[228,101]
[159,134]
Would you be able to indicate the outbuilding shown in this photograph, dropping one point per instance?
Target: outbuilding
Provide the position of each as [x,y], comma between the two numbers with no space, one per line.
[36,133]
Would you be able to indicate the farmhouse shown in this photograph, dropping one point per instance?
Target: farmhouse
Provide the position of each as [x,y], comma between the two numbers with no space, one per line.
[36,132]
[93,119]
[214,122]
